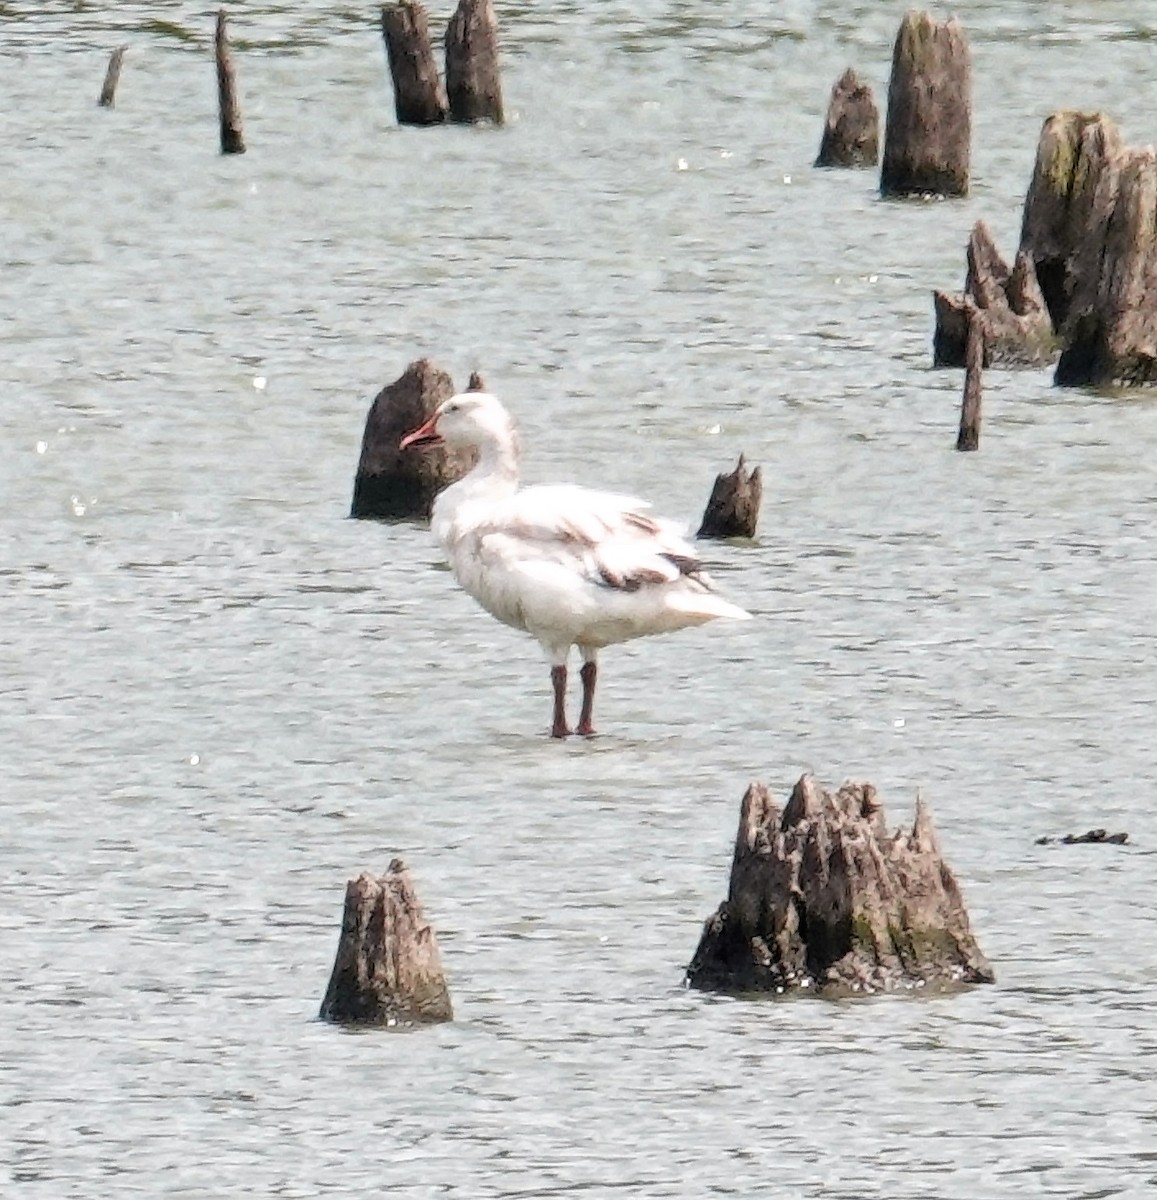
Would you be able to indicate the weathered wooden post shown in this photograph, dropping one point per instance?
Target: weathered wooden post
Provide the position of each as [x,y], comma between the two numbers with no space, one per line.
[473,81]
[387,970]
[968,437]
[1110,333]
[477,383]
[824,897]
[733,507]
[928,131]
[1075,161]
[851,135]
[232,139]
[395,484]
[418,95]
[112,77]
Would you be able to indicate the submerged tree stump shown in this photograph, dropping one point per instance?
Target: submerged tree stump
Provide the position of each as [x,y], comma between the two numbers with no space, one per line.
[1094,837]
[1009,304]
[1110,332]
[851,135]
[419,98]
[928,132]
[473,82]
[232,139]
[112,76]
[968,438]
[387,970]
[397,484]
[823,897]
[733,507]
[1074,183]
[477,383]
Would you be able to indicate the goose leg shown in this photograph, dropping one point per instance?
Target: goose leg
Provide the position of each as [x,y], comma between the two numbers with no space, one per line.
[589,675]
[559,728]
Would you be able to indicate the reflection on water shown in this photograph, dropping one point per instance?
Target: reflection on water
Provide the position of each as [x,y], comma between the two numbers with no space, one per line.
[219,698]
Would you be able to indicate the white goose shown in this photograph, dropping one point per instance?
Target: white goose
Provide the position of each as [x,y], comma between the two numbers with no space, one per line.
[568,565]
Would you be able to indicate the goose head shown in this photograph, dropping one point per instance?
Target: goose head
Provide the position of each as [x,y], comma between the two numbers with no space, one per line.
[468,421]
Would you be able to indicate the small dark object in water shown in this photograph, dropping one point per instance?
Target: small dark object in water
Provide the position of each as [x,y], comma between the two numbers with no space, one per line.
[733,507]
[825,897]
[1081,839]
[112,77]
[387,970]
[851,135]
[232,139]
[968,437]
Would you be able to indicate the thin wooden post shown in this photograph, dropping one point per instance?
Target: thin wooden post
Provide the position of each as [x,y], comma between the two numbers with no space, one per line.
[112,77]
[232,139]
[969,436]
[419,98]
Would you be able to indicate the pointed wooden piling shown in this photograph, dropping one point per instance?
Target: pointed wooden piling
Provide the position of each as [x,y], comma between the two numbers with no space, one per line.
[112,77]
[232,139]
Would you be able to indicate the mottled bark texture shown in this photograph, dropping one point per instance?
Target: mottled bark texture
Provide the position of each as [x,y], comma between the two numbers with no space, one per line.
[395,484]
[1010,307]
[968,437]
[1073,184]
[232,139]
[112,76]
[1110,332]
[733,507]
[851,135]
[928,132]
[473,81]
[419,98]
[387,970]
[824,897]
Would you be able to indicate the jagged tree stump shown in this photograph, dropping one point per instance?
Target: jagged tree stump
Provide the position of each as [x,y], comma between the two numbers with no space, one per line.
[1110,333]
[418,95]
[851,135]
[733,507]
[1016,325]
[393,484]
[387,970]
[1064,220]
[823,897]
[473,81]
[928,132]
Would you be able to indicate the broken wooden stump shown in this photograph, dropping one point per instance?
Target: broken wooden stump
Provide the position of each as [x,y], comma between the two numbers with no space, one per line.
[1010,307]
[1110,332]
[473,82]
[419,98]
[823,897]
[476,383]
[1066,206]
[851,136]
[733,507]
[387,970]
[968,437]
[395,484]
[232,139]
[112,77]
[928,131]
[1093,837]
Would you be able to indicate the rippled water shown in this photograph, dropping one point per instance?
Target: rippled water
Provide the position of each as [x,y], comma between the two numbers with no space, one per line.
[219,698]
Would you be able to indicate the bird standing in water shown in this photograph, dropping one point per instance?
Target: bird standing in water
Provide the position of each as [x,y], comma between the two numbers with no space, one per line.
[569,565]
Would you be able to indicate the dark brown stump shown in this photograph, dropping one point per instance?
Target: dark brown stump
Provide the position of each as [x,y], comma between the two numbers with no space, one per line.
[387,970]
[1017,329]
[969,436]
[852,128]
[1063,219]
[473,83]
[232,140]
[395,484]
[112,77]
[1110,333]
[418,95]
[928,132]
[733,508]
[825,898]
[1094,837]
[477,383]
